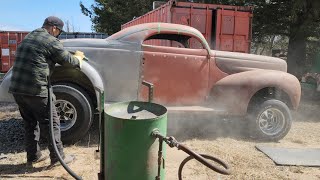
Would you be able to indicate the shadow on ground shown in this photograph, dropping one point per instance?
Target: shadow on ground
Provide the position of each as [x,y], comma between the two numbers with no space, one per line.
[18,169]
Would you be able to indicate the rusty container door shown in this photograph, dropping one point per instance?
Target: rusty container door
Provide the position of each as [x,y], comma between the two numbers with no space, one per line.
[201,19]
[21,36]
[5,58]
[0,50]
[233,31]
[9,42]
[13,44]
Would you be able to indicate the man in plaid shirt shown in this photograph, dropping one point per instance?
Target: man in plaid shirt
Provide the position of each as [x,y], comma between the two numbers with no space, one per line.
[35,61]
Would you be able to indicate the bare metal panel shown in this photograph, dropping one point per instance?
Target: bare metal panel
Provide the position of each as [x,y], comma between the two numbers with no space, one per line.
[118,64]
[5,96]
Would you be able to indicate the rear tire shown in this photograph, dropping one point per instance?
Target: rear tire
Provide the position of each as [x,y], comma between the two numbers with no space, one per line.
[75,111]
[270,121]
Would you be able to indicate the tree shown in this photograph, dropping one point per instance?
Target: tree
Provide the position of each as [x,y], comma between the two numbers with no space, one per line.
[108,15]
[305,18]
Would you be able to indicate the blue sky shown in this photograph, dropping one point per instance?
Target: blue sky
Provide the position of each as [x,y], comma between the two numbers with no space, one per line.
[27,15]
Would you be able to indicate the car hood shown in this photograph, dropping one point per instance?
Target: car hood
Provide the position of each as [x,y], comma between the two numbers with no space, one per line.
[99,43]
[231,62]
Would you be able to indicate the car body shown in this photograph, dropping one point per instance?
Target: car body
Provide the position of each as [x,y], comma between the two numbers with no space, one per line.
[184,79]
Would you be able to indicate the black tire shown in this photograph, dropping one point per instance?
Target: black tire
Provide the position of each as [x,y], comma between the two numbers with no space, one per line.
[270,121]
[77,117]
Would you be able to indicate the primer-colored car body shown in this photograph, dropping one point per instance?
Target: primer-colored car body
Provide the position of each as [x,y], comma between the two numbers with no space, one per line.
[181,76]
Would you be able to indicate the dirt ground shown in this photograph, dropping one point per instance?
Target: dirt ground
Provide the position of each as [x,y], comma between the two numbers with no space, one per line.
[223,141]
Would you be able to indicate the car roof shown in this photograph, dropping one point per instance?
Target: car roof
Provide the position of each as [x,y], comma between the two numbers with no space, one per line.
[141,31]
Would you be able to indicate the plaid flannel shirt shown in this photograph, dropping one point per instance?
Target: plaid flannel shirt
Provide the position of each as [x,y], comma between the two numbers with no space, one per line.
[35,60]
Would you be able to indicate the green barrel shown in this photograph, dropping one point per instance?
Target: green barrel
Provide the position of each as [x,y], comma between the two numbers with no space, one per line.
[130,150]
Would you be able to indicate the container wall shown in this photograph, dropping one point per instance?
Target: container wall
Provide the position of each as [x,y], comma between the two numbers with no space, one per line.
[9,42]
[161,14]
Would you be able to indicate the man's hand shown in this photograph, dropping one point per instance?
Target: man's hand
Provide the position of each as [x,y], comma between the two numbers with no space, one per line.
[79,53]
[80,56]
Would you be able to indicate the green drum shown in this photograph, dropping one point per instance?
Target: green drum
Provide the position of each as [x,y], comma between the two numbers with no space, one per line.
[128,149]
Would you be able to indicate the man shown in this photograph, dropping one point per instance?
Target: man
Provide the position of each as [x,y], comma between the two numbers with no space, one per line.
[35,61]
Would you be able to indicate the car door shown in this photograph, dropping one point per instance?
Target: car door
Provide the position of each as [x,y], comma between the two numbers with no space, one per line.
[179,74]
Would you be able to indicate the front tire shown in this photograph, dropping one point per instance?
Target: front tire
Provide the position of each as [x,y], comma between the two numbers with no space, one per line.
[271,120]
[75,111]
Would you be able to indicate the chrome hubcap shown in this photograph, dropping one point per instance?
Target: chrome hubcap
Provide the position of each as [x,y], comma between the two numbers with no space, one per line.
[271,121]
[67,113]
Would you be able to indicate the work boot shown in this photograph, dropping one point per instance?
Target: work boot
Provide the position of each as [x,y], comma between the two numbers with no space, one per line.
[67,159]
[40,159]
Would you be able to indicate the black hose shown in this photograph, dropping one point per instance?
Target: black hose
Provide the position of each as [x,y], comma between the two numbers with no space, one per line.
[204,156]
[53,141]
[202,160]
[172,142]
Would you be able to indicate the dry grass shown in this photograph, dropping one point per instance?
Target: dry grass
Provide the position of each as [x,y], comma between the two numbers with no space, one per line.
[240,153]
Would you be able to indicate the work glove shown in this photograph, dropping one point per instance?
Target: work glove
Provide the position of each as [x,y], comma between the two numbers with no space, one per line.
[80,56]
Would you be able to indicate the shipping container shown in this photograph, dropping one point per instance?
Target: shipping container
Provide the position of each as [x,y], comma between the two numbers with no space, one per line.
[226,28]
[10,40]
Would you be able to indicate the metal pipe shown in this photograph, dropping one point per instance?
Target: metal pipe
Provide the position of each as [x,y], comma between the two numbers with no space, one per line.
[150,86]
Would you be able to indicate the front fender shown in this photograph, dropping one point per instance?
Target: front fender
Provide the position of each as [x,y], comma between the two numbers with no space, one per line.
[96,81]
[5,96]
[86,68]
[233,93]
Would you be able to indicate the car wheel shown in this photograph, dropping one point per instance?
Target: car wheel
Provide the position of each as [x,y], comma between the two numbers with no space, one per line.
[75,111]
[271,120]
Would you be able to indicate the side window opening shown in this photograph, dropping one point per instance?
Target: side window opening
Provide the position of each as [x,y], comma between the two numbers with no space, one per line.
[174,40]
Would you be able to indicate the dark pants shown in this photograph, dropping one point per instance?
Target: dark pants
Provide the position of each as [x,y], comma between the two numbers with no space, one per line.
[35,112]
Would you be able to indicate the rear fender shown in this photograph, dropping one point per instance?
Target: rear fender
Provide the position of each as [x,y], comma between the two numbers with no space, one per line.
[234,92]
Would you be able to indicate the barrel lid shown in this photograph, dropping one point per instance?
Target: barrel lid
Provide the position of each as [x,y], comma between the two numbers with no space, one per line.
[136,110]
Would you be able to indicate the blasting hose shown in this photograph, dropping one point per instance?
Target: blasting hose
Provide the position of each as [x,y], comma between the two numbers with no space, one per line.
[172,142]
[53,141]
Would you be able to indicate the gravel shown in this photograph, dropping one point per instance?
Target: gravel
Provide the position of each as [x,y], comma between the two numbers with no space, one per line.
[239,152]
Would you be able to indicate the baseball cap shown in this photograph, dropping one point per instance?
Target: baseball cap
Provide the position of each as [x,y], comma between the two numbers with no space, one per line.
[54,21]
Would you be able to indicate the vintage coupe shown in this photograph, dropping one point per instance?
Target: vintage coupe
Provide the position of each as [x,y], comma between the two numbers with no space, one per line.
[187,75]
